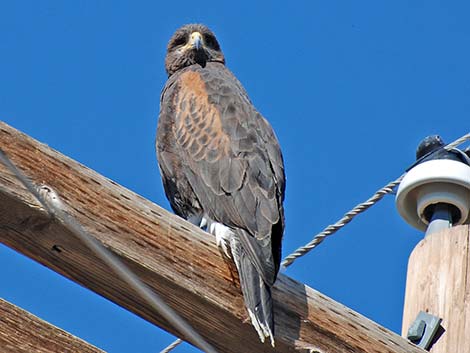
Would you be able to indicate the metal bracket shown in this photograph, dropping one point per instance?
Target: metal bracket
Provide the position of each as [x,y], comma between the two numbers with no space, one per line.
[423,329]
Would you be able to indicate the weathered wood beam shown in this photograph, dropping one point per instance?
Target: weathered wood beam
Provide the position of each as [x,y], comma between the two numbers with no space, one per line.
[22,332]
[178,260]
[438,283]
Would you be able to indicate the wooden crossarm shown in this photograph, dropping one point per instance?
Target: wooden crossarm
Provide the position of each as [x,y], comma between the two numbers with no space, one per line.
[176,259]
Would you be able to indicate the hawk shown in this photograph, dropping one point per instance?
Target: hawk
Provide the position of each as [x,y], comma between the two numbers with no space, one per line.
[221,165]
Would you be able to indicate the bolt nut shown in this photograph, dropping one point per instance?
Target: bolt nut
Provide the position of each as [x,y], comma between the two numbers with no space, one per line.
[416,330]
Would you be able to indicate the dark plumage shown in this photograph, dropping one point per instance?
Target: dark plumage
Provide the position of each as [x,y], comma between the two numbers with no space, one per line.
[221,165]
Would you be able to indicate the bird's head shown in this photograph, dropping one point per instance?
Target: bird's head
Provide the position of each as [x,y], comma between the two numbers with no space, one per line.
[192,44]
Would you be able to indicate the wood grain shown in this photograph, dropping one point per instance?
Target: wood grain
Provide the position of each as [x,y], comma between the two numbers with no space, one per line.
[438,282]
[178,260]
[22,332]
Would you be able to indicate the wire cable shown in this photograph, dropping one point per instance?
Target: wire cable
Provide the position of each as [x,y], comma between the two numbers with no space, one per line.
[52,203]
[349,216]
[172,346]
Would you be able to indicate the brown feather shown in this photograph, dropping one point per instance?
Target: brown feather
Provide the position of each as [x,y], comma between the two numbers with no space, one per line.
[220,158]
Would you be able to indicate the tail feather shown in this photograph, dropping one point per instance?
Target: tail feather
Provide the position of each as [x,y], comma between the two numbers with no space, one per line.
[256,293]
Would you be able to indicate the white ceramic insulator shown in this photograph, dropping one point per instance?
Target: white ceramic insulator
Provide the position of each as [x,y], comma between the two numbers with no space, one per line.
[432,182]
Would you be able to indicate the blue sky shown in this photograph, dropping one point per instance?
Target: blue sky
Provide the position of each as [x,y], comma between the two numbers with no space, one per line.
[350,87]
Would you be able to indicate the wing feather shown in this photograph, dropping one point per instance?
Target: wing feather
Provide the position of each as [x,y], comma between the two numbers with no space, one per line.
[232,160]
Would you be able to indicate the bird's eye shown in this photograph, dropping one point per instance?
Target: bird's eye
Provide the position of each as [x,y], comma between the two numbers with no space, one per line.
[211,41]
[179,41]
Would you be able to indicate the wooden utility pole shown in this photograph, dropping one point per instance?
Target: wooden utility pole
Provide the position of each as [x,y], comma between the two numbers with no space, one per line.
[438,283]
[22,332]
[174,258]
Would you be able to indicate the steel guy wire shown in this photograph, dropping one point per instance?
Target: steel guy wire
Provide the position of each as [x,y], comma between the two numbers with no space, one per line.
[172,346]
[52,203]
[349,216]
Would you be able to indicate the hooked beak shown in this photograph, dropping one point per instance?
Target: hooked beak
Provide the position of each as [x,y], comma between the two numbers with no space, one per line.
[196,41]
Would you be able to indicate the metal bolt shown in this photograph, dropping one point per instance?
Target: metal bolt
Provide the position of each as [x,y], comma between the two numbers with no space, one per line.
[423,329]
[416,330]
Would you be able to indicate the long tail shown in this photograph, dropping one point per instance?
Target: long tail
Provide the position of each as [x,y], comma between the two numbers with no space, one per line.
[256,293]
